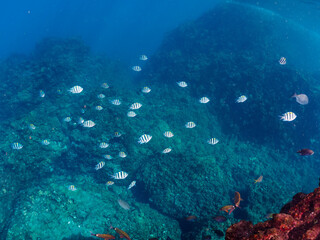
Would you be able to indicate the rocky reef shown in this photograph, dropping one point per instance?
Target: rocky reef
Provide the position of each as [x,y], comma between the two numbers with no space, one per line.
[179,194]
[298,220]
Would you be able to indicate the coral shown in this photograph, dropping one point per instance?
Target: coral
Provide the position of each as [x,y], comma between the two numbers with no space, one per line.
[298,220]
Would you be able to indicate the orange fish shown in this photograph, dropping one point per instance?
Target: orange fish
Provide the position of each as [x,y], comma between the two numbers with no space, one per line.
[228,209]
[237,199]
[122,233]
[191,218]
[104,236]
[259,179]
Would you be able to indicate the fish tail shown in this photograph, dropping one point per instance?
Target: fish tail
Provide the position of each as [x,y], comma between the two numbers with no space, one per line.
[294,95]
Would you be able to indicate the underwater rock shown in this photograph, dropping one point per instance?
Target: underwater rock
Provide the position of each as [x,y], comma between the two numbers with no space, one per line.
[298,219]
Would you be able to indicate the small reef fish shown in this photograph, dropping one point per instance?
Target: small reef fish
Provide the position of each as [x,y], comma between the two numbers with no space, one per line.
[283,61]
[105,85]
[131,114]
[117,134]
[124,204]
[88,124]
[305,152]
[301,98]
[16,146]
[146,90]
[190,125]
[204,100]
[99,165]
[122,154]
[269,216]
[121,233]
[120,175]
[191,218]
[135,106]
[213,141]
[167,150]
[32,126]
[98,108]
[288,116]
[136,68]
[104,236]
[67,119]
[259,180]
[237,199]
[42,93]
[76,89]
[228,209]
[143,57]
[241,99]
[103,145]
[168,134]
[45,142]
[220,219]
[116,102]
[109,183]
[144,139]
[132,184]
[72,188]
[80,120]
[107,157]
[101,96]
[182,84]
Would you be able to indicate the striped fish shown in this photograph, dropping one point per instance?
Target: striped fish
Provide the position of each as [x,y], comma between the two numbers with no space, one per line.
[135,106]
[167,150]
[241,99]
[117,134]
[67,119]
[107,157]
[105,85]
[283,61]
[182,84]
[131,114]
[122,154]
[288,117]
[204,100]
[144,138]
[98,108]
[16,146]
[136,68]
[168,134]
[213,141]
[143,57]
[116,102]
[99,165]
[120,175]
[32,126]
[42,93]
[101,96]
[72,188]
[45,142]
[109,183]
[76,89]
[146,90]
[103,145]
[190,125]
[88,124]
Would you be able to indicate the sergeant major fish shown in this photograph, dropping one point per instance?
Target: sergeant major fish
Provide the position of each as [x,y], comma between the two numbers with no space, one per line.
[144,139]
[99,165]
[76,89]
[120,175]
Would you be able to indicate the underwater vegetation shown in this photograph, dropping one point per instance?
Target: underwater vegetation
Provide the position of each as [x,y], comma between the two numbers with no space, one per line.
[156,151]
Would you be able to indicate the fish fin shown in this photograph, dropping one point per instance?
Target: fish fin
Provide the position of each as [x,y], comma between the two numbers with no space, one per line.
[294,95]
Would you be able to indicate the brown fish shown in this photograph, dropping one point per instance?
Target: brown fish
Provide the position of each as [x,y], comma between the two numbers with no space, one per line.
[305,152]
[237,199]
[228,209]
[301,98]
[191,218]
[259,179]
[122,233]
[104,236]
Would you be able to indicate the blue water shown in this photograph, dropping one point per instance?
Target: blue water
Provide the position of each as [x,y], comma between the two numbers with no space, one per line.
[221,49]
